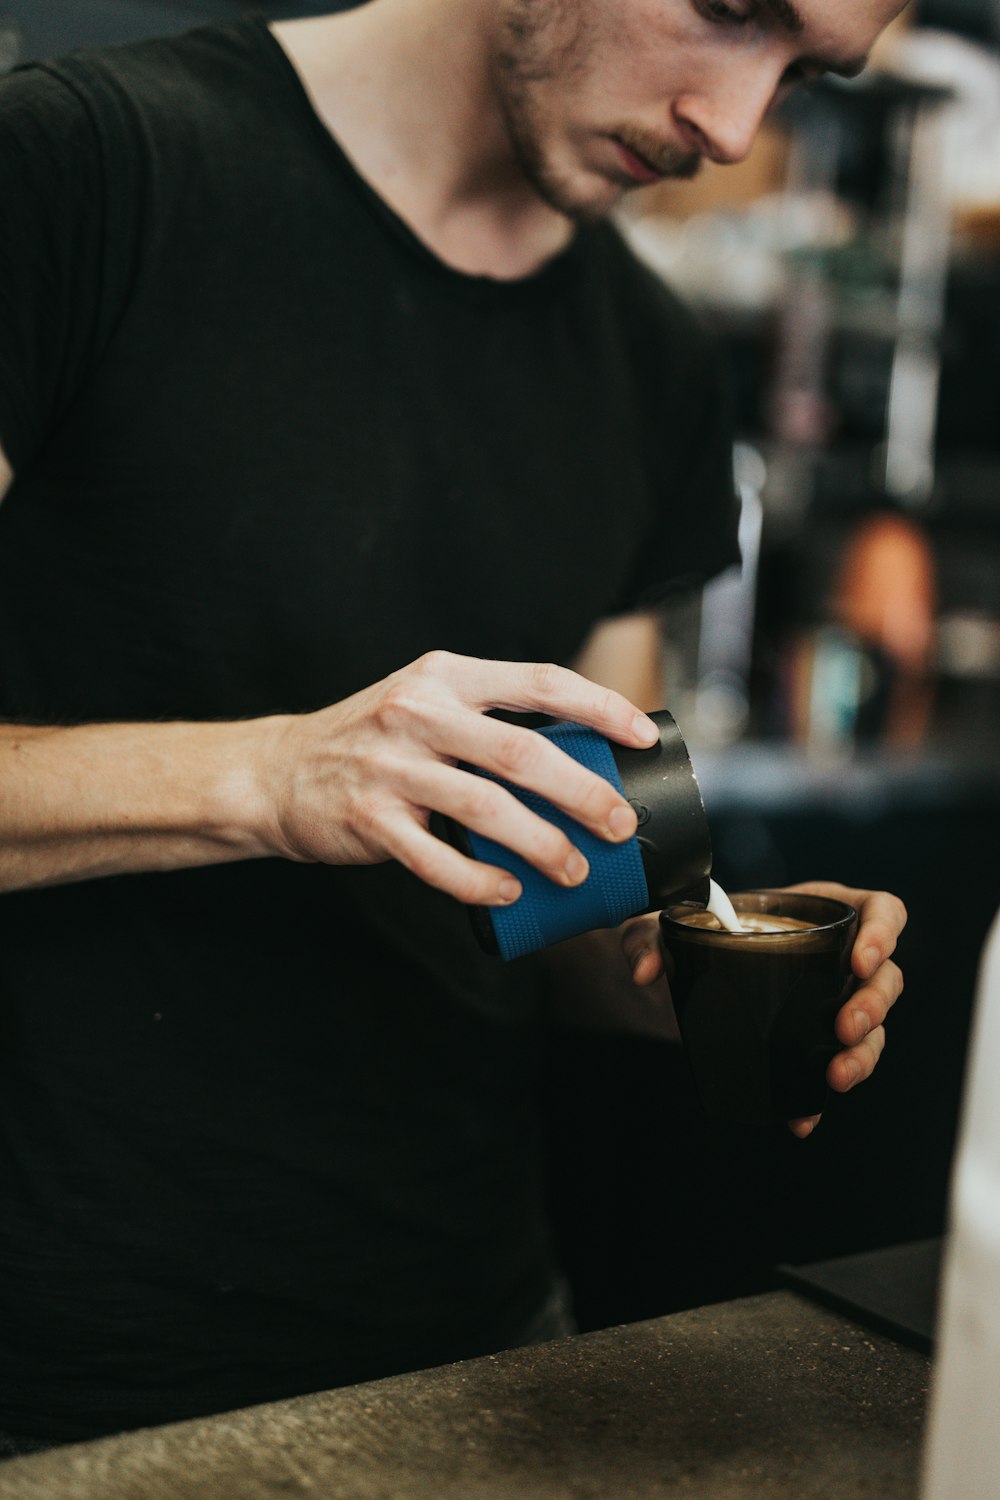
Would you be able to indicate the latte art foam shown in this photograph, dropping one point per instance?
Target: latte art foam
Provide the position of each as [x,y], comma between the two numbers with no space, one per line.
[750,923]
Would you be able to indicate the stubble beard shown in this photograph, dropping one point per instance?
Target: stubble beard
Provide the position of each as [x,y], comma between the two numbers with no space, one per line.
[546,41]
[541,40]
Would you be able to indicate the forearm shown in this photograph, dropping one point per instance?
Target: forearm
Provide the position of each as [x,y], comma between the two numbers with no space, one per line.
[354,783]
[108,799]
[626,654]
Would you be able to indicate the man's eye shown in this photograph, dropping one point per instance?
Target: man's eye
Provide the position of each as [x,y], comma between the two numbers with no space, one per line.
[728,15]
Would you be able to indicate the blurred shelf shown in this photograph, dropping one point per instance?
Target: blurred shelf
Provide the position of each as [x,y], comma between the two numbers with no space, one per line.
[767,777]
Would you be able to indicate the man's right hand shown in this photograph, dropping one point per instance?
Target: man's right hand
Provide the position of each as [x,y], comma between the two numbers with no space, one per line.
[355,783]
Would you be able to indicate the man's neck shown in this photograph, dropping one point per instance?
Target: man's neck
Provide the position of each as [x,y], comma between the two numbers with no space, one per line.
[406,86]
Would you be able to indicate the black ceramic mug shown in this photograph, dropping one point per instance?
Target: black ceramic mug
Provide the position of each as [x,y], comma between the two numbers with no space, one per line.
[756,1010]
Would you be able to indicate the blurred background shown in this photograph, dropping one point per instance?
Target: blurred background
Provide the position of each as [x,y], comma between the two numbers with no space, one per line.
[840,692]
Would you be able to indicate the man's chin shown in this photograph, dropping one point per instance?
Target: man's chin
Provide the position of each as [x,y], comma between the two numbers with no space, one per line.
[586,203]
[582,203]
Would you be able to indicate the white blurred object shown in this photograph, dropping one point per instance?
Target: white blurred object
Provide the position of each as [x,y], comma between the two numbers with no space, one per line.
[968,644]
[730,259]
[725,641]
[970,123]
[963,1444]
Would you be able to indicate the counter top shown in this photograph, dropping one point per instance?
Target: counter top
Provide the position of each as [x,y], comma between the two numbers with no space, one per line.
[765,1398]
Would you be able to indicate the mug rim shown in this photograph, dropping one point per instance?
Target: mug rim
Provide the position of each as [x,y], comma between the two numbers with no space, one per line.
[845,914]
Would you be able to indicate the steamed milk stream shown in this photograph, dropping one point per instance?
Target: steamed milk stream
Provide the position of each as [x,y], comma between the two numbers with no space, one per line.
[721,907]
[720,911]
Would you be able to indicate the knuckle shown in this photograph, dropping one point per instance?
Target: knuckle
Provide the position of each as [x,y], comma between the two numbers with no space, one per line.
[597,799]
[545,677]
[405,709]
[433,663]
[367,817]
[868,1062]
[396,705]
[518,752]
[610,705]
[886,985]
[553,845]
[895,974]
[482,800]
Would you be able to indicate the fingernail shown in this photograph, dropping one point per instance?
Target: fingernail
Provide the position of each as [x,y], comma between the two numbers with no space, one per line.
[509,890]
[870,957]
[644,729]
[853,1070]
[621,822]
[862,1024]
[576,868]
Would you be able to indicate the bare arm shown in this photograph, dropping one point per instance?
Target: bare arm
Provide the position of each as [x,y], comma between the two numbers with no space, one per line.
[354,783]
[625,654]
[106,799]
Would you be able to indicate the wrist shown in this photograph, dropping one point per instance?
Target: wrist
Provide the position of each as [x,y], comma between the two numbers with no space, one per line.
[244,794]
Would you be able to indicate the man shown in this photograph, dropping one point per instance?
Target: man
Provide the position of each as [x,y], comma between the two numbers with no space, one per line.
[319,359]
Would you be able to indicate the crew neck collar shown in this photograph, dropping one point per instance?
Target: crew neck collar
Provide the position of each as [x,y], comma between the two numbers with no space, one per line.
[547,275]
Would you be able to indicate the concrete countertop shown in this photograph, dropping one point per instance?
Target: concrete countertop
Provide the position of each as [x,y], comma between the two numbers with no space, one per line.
[766,1398]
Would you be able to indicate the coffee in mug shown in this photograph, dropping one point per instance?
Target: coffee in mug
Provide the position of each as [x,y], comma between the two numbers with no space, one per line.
[756,1008]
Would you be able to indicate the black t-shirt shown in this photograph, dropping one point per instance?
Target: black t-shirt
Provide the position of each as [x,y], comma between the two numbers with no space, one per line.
[269,1127]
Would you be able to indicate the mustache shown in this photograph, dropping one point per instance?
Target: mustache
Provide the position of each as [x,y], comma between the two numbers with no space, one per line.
[666,158]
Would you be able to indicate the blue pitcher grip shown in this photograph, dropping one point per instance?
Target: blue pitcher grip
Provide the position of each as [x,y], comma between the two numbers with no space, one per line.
[547,913]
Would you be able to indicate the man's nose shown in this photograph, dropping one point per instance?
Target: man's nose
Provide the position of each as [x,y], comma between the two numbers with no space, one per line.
[722,123]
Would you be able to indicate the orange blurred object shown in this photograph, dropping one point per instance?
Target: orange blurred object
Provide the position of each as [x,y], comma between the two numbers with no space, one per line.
[885,593]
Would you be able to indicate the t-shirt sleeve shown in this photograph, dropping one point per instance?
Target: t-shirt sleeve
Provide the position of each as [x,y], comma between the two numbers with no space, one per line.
[687,420]
[51,228]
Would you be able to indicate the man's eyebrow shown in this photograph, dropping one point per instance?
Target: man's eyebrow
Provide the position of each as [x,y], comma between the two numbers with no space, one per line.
[789,19]
[786,15]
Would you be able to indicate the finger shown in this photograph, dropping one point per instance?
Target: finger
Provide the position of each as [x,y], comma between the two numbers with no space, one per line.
[804,1126]
[544,687]
[490,810]
[532,761]
[857,1063]
[881,918]
[439,865]
[640,939]
[868,1007]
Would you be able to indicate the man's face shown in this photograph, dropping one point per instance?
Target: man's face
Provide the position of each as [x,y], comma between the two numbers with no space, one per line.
[601,96]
